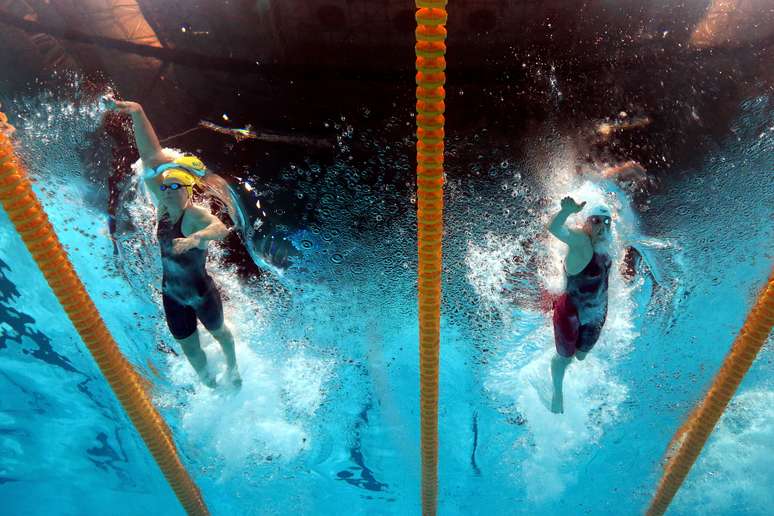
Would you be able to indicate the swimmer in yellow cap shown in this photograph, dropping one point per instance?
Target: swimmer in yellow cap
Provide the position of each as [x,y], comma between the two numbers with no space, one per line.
[184,230]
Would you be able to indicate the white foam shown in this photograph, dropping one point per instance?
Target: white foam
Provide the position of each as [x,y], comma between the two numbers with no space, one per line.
[592,397]
[303,378]
[248,426]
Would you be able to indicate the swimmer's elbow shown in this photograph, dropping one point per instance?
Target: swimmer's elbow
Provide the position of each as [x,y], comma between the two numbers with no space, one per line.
[157,157]
[557,228]
[560,232]
[554,228]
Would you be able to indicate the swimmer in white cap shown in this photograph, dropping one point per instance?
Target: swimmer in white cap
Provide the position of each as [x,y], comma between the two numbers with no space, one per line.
[580,312]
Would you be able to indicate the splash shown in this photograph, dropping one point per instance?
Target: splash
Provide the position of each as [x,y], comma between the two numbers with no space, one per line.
[266,422]
[594,394]
[497,267]
[271,420]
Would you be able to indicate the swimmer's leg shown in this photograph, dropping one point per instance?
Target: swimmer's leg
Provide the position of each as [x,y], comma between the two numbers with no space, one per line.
[210,313]
[588,335]
[566,325]
[181,320]
[558,366]
[226,340]
[196,356]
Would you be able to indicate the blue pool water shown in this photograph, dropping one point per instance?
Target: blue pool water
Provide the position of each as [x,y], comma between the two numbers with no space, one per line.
[327,419]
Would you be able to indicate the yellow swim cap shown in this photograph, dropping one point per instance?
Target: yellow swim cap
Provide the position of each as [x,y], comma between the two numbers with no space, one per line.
[185,178]
[189,163]
[192,164]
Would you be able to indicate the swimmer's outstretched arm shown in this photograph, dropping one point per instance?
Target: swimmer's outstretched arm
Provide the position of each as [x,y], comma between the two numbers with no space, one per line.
[145,136]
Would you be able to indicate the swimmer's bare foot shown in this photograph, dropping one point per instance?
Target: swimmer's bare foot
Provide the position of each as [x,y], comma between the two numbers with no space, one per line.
[207,379]
[233,378]
[557,403]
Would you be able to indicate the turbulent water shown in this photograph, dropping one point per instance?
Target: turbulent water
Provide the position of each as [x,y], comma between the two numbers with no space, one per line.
[327,418]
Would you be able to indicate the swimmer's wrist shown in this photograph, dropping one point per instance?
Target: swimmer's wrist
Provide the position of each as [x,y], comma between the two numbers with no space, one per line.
[574,209]
[136,110]
[569,210]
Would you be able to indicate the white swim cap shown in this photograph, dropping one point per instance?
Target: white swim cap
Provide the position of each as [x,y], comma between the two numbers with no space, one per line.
[598,210]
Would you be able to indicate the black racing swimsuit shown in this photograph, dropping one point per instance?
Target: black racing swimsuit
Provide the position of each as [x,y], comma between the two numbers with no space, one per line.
[580,312]
[588,289]
[187,290]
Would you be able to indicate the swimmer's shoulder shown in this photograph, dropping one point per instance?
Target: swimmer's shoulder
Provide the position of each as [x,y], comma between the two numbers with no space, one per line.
[578,241]
[194,214]
[196,211]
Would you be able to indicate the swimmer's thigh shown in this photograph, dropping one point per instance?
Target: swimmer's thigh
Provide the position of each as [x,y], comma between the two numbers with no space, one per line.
[588,335]
[210,310]
[566,324]
[181,319]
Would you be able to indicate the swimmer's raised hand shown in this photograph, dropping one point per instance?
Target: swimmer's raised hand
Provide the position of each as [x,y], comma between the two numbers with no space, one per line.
[570,206]
[121,106]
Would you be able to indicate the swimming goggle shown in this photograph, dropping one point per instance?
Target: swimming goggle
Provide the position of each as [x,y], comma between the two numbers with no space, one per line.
[172,186]
[596,219]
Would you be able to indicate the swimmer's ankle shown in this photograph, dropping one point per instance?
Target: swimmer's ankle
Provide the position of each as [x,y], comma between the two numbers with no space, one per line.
[557,403]
[207,379]
[232,373]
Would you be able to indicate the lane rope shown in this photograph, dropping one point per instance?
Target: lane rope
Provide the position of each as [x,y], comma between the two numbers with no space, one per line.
[25,211]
